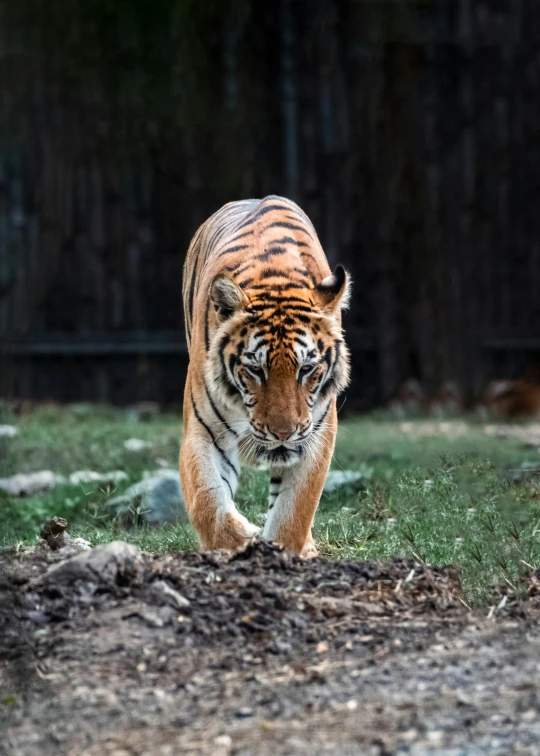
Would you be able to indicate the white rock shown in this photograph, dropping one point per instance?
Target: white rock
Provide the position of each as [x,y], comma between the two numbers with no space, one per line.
[337,478]
[136,444]
[166,594]
[8,431]
[28,484]
[160,494]
[104,562]
[90,476]
[80,544]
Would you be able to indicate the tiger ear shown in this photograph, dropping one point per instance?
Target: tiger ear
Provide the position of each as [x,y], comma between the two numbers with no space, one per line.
[335,291]
[226,296]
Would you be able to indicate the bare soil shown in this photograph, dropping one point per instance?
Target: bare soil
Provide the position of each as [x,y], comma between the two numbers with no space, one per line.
[262,653]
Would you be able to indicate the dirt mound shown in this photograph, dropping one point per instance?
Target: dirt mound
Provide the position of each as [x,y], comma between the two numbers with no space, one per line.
[264,594]
[118,652]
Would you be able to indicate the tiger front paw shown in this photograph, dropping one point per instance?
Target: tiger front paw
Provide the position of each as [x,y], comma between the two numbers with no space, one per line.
[233,532]
[310,550]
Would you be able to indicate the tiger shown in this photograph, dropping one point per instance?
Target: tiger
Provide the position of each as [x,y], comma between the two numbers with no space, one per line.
[267,360]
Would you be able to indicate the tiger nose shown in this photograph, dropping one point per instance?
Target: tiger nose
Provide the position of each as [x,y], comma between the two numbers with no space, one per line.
[283,431]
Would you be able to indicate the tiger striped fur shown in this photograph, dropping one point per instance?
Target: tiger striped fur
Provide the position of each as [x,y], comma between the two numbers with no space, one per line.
[267,360]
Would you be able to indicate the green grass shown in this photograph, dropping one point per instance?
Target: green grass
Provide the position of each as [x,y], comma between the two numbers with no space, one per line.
[444,499]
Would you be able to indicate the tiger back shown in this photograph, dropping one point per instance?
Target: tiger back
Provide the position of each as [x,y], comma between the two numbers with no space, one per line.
[267,359]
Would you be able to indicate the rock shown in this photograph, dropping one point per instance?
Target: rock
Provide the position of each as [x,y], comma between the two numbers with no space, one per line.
[160,497]
[526,472]
[143,411]
[8,431]
[164,594]
[53,532]
[136,444]
[337,478]
[28,484]
[107,563]
[77,544]
[82,409]
[90,476]
[244,712]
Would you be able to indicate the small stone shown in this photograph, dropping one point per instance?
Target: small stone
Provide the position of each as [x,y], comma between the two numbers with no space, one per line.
[78,544]
[136,444]
[8,431]
[143,411]
[225,741]
[28,484]
[90,476]
[337,478]
[163,592]
[244,712]
[435,737]
[160,496]
[152,619]
[53,527]
[53,533]
[106,562]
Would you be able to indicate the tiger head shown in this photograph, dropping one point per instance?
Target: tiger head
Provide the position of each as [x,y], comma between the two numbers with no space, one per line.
[277,359]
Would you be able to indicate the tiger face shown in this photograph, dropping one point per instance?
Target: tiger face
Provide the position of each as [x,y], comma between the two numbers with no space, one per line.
[276,359]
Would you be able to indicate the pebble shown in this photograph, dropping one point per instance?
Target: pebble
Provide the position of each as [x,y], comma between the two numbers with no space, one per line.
[136,444]
[8,431]
[244,712]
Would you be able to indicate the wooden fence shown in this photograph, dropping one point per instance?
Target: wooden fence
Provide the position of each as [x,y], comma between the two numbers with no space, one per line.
[414,149]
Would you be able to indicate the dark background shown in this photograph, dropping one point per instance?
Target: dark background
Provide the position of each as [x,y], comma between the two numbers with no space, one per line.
[409,131]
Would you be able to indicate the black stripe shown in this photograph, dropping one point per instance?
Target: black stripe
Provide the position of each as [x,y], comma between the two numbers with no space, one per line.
[290,240]
[231,388]
[321,419]
[257,345]
[290,226]
[328,359]
[271,252]
[306,273]
[238,270]
[328,386]
[209,431]
[289,286]
[229,486]
[206,329]
[218,413]
[274,272]
[221,349]
[229,250]
[192,289]
[262,211]
[291,307]
[240,236]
